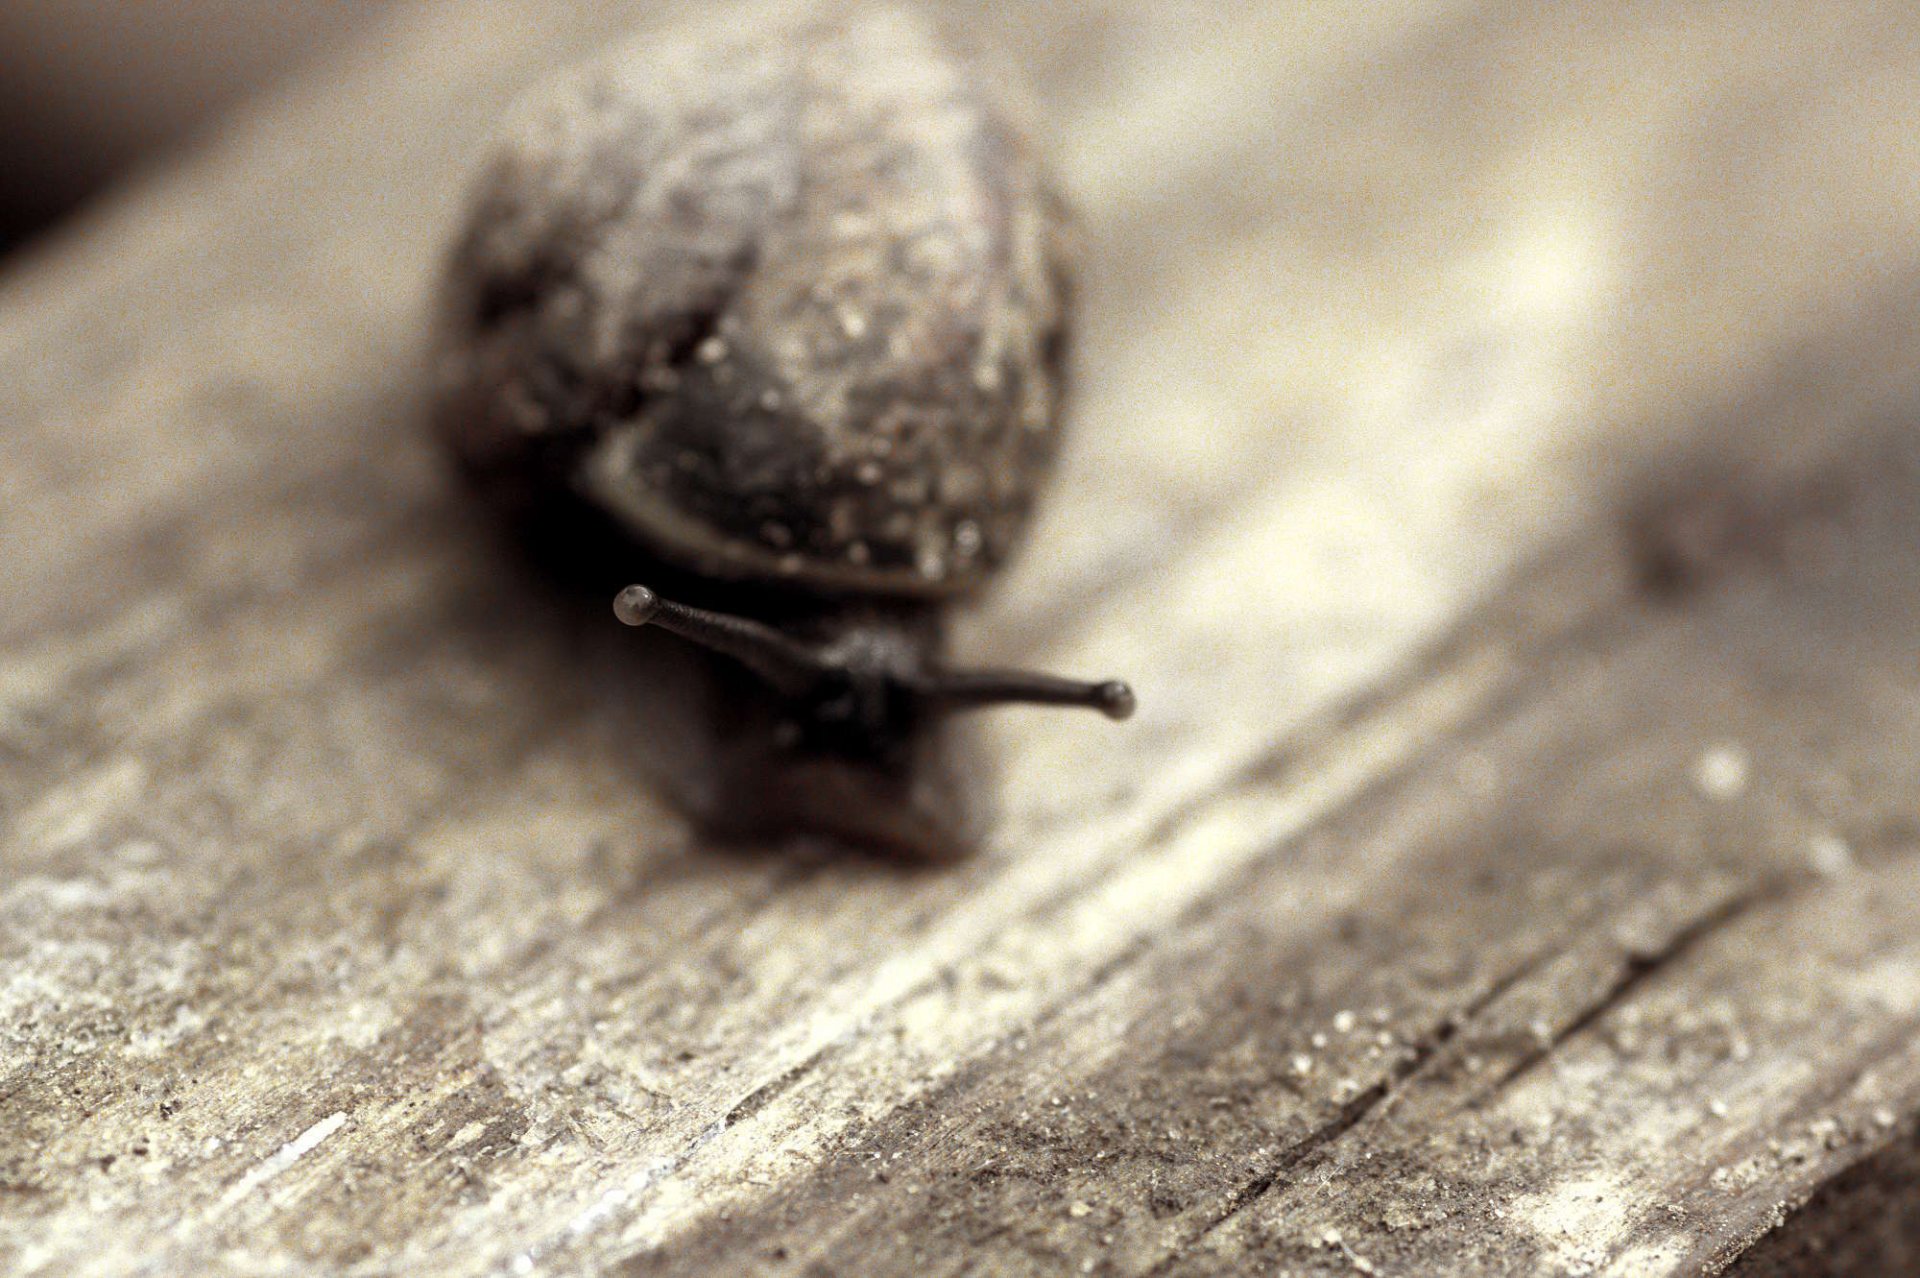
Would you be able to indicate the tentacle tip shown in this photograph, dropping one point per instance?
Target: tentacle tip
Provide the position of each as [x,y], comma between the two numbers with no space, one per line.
[1115,699]
[635,605]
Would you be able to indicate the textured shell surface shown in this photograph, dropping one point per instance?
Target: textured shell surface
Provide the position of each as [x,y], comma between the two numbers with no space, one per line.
[786,297]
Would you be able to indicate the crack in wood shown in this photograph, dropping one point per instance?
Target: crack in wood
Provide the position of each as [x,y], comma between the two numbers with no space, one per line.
[1375,1100]
[1637,967]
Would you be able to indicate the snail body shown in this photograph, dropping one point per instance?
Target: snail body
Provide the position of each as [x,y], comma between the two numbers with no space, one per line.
[786,303]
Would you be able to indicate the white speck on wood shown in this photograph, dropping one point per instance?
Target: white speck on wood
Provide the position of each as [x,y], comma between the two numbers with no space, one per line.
[283,1158]
[1721,772]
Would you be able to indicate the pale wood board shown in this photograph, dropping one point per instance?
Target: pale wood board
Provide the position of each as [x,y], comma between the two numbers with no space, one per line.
[1491,465]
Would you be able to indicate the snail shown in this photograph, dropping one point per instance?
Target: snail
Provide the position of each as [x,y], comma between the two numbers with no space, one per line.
[785,303]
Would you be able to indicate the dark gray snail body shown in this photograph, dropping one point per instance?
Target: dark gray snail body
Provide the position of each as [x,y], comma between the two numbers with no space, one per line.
[786,303]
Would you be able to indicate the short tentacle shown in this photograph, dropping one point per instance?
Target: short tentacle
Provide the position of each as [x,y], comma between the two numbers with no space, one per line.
[969,689]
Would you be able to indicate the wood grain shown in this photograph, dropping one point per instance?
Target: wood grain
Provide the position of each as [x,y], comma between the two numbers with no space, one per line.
[1491,467]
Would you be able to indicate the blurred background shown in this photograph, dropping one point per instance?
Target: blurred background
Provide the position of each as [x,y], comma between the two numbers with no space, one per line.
[89,88]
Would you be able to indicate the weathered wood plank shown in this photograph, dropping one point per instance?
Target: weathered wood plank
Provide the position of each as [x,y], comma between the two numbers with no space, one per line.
[1608,979]
[348,922]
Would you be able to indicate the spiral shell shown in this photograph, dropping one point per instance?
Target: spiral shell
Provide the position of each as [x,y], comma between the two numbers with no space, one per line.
[786,299]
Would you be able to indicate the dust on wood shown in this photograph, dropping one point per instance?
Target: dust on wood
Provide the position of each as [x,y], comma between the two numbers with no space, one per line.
[1451,905]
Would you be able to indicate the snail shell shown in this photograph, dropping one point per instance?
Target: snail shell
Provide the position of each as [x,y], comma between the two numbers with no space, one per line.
[785,299]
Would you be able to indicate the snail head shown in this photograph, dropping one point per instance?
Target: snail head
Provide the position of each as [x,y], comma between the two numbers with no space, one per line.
[862,684]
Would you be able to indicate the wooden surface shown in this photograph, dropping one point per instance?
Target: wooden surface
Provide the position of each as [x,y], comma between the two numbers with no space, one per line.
[1494,466]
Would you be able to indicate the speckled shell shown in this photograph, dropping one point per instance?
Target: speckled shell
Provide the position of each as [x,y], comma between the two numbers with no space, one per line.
[787,299]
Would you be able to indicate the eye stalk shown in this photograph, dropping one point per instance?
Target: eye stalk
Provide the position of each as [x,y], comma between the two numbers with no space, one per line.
[791,668]
[796,669]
